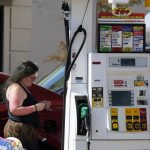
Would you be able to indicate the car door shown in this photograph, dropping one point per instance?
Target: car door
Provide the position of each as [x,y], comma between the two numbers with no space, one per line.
[3,108]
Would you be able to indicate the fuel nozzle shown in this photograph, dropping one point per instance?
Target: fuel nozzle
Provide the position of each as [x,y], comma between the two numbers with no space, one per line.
[85,116]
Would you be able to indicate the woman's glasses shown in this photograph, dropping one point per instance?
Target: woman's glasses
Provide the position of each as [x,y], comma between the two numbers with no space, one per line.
[34,76]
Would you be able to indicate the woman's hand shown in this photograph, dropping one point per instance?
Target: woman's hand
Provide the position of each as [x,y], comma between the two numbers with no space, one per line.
[47,104]
[39,106]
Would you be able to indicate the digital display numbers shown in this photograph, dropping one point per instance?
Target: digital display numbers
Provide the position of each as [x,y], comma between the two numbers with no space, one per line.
[127,62]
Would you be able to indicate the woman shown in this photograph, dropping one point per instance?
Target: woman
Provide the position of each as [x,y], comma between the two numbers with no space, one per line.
[24,121]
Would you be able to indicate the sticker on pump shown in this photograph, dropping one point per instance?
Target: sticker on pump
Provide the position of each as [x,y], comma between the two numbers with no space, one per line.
[120,83]
[139,83]
[97,97]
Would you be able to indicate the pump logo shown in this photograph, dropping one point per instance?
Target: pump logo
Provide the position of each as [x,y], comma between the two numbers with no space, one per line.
[120,11]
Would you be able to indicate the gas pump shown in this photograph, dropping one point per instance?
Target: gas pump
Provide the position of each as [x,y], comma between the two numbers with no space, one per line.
[107,102]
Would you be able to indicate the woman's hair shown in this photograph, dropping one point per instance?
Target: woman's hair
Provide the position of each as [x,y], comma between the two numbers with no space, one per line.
[23,70]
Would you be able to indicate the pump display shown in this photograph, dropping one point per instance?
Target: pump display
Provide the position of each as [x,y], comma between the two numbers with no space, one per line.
[108,94]
[125,100]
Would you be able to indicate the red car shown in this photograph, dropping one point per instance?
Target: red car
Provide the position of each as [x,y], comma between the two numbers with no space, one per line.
[51,121]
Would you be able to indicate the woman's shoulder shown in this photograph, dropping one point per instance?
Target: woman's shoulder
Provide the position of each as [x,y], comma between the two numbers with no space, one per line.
[14,90]
[14,86]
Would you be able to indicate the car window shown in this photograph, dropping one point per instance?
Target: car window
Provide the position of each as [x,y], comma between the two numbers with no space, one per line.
[54,80]
[57,86]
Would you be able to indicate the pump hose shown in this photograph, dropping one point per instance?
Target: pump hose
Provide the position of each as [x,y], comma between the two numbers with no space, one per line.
[80,29]
[67,73]
[68,65]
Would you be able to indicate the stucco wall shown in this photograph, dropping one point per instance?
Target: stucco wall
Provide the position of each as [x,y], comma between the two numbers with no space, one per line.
[17,32]
[47,32]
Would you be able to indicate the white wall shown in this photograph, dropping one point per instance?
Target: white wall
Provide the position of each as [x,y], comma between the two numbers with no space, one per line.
[17,32]
[47,32]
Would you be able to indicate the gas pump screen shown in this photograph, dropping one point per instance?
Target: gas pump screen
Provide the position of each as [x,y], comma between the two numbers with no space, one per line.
[121,98]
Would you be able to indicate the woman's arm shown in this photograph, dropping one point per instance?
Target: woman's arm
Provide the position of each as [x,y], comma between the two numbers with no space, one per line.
[16,95]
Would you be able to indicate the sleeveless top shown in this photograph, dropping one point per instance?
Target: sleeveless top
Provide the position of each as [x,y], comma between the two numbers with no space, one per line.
[31,119]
